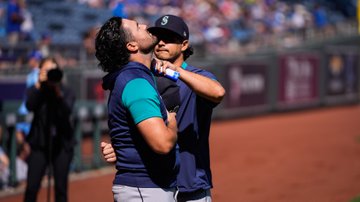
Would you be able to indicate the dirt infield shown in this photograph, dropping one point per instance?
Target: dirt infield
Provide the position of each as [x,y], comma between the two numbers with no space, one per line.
[307,156]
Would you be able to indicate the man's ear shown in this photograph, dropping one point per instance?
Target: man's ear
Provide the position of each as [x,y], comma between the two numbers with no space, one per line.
[185,45]
[132,46]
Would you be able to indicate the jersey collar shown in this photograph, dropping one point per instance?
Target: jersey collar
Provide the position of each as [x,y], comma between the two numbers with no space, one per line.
[184,65]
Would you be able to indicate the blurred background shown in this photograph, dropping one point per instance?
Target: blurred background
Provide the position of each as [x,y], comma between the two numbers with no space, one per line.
[271,56]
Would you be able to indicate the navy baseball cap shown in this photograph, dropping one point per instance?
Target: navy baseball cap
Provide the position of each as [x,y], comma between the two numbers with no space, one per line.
[171,23]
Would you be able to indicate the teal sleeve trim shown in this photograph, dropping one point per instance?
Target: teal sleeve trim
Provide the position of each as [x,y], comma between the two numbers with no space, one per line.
[141,100]
[184,65]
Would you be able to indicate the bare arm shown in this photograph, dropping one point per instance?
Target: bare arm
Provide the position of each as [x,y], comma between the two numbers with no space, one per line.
[203,86]
[160,137]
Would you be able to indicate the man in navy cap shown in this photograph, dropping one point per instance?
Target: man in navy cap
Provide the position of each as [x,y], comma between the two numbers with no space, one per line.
[199,94]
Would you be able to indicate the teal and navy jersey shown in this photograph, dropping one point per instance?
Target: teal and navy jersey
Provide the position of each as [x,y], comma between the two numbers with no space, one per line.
[194,118]
[134,98]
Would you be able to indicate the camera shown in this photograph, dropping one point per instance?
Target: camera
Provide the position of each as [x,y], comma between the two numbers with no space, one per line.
[55,75]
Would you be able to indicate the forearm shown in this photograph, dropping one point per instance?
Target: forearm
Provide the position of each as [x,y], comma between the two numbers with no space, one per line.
[172,130]
[160,137]
[203,86]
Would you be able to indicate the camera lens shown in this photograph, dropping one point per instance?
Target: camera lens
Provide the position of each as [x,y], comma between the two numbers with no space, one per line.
[55,75]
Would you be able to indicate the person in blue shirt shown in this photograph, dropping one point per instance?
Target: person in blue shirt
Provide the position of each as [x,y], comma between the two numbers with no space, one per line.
[23,128]
[14,19]
[199,94]
[143,133]
[31,78]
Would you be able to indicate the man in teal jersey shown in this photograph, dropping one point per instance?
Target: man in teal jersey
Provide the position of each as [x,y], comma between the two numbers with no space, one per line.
[199,94]
[143,133]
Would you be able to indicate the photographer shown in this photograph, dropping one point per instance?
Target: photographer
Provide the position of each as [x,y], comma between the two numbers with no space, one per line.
[51,135]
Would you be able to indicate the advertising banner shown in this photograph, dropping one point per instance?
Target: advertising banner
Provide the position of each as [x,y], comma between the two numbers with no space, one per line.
[246,85]
[94,89]
[298,80]
[341,82]
[12,88]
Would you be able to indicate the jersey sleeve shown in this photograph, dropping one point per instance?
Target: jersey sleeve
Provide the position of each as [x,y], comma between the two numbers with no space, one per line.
[207,74]
[141,99]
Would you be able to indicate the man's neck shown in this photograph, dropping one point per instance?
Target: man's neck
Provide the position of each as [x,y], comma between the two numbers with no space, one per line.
[144,59]
[178,61]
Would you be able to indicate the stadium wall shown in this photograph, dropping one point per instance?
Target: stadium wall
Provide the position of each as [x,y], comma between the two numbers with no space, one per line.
[267,82]
[292,79]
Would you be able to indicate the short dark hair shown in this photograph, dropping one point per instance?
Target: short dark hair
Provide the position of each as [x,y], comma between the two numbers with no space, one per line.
[110,45]
[188,52]
[52,59]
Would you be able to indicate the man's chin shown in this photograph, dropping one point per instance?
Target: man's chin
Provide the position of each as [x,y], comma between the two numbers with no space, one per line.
[161,56]
[148,50]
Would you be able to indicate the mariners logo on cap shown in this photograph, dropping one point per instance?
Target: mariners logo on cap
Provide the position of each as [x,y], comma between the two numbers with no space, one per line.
[165,20]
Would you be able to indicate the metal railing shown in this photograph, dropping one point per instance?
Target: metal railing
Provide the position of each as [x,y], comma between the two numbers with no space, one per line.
[89,122]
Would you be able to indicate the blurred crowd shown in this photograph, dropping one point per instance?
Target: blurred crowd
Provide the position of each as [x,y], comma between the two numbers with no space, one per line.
[225,26]
[216,26]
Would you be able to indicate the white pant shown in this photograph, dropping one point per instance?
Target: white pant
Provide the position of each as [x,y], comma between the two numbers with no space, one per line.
[135,194]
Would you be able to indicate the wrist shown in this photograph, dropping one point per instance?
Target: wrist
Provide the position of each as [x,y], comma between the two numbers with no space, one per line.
[178,68]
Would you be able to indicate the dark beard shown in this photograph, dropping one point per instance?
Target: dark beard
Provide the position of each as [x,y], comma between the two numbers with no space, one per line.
[150,48]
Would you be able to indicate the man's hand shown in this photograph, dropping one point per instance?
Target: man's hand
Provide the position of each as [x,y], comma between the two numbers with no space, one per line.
[108,152]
